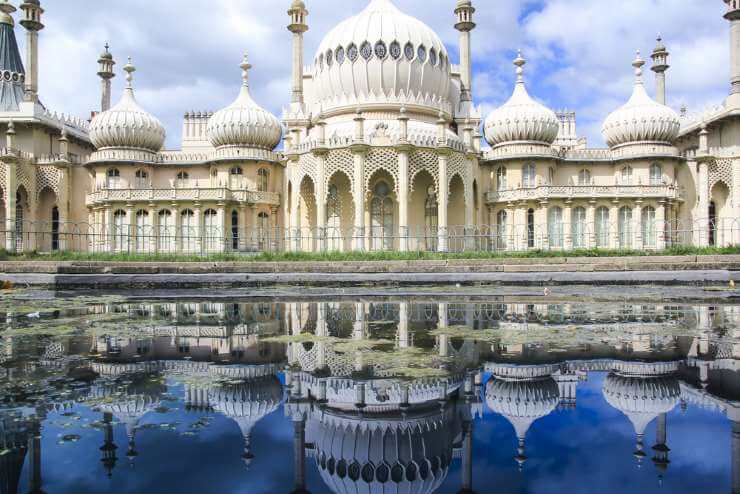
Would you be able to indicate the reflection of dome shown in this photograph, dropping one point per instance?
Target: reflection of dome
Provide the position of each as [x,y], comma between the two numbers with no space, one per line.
[641,119]
[246,404]
[244,123]
[388,456]
[641,398]
[522,402]
[521,119]
[127,125]
[382,56]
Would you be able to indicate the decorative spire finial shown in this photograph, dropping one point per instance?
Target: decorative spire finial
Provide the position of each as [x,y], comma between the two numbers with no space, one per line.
[7,7]
[519,61]
[245,66]
[129,68]
[638,64]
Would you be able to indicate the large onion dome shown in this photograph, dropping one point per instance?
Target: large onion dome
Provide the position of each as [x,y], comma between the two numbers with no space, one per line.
[127,125]
[244,123]
[521,119]
[385,454]
[641,119]
[382,56]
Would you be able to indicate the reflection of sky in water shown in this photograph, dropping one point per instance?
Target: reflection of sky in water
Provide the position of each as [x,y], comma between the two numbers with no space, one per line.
[583,449]
[569,451]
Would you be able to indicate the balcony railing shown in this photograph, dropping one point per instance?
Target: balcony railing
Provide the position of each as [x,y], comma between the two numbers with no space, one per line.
[542,192]
[183,194]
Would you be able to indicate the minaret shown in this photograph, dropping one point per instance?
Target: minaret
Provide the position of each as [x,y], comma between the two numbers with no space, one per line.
[297,26]
[660,460]
[299,455]
[464,13]
[109,446]
[34,451]
[32,23]
[733,15]
[660,66]
[105,72]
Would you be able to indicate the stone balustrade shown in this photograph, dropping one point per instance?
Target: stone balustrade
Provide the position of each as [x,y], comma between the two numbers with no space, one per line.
[543,192]
[182,194]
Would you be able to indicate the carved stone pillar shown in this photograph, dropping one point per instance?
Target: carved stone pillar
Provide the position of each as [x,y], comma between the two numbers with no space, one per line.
[442,200]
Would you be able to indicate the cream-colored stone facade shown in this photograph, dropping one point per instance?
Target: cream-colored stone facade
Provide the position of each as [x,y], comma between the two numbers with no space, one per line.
[382,150]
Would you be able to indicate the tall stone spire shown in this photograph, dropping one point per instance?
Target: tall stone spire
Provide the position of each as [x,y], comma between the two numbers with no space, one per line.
[660,66]
[464,16]
[32,23]
[105,72]
[298,26]
[733,16]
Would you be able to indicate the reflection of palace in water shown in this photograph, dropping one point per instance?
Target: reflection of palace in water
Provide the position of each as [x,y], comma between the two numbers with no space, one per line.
[362,426]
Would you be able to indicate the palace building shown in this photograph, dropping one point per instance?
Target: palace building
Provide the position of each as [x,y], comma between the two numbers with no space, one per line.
[382,149]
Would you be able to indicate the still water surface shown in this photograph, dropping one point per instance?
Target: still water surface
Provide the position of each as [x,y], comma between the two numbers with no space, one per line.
[103,394]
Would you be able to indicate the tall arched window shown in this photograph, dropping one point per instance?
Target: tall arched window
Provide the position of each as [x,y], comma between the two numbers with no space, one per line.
[234,230]
[183,180]
[555,227]
[656,174]
[584,177]
[120,231]
[626,176]
[649,230]
[529,176]
[142,179]
[188,230]
[143,230]
[530,228]
[211,229]
[578,228]
[501,178]
[113,178]
[166,237]
[263,180]
[625,227]
[501,230]
[381,217]
[601,228]
[236,177]
[431,219]
[54,227]
[333,219]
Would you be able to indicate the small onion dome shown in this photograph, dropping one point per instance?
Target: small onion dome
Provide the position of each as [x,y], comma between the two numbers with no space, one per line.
[521,119]
[522,402]
[244,123]
[641,119]
[127,125]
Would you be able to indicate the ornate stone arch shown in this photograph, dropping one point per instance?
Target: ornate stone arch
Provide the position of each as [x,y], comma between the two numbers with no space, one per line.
[423,159]
[381,159]
[48,177]
[307,165]
[307,191]
[720,171]
[26,177]
[340,160]
[460,166]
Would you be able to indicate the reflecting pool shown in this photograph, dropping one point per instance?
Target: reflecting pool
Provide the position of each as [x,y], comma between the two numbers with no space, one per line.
[418,394]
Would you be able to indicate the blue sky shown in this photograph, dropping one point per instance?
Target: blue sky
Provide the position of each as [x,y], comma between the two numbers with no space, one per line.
[188,51]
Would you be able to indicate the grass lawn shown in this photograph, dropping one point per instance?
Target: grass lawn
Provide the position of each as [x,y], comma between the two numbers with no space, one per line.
[356,256]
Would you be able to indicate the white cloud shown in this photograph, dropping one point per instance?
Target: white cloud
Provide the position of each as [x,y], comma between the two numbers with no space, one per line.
[187,51]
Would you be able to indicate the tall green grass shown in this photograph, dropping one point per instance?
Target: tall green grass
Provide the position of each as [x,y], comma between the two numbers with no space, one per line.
[356,256]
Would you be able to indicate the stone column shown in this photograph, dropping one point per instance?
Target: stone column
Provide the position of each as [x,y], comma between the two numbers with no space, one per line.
[442,200]
[178,226]
[568,225]
[467,458]
[591,224]
[221,221]
[109,222]
[254,227]
[274,224]
[404,337]
[701,221]
[295,223]
[541,226]
[320,191]
[359,154]
[637,225]
[614,225]
[510,227]
[197,236]
[153,234]
[299,455]
[243,227]
[10,203]
[131,227]
[660,225]
[403,198]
